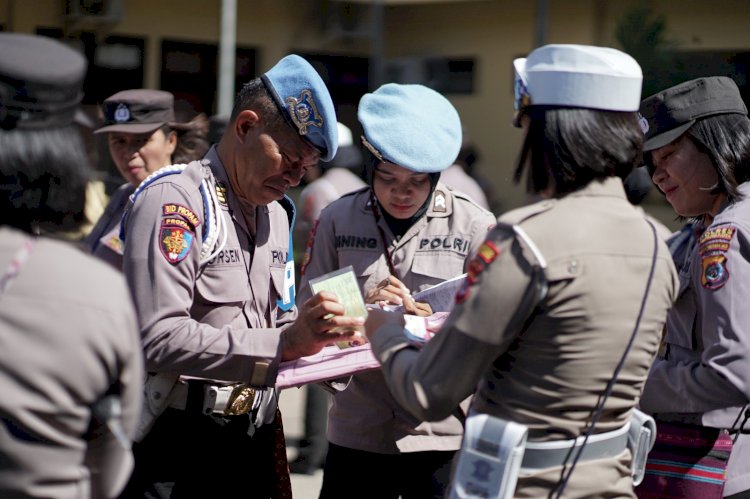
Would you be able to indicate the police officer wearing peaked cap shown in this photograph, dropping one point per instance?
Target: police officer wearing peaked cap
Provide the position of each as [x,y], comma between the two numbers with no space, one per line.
[405,230]
[71,365]
[208,257]
[697,143]
[539,324]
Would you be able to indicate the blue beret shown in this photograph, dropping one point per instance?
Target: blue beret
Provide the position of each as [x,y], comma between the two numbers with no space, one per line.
[304,100]
[41,82]
[411,126]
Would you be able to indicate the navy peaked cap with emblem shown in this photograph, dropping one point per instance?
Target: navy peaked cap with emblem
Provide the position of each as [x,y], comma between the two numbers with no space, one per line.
[668,114]
[303,98]
[139,110]
[41,82]
[411,126]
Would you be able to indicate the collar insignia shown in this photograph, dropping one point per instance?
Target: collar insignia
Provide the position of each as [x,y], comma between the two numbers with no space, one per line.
[303,112]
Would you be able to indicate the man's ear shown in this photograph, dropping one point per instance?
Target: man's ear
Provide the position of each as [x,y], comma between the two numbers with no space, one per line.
[247,122]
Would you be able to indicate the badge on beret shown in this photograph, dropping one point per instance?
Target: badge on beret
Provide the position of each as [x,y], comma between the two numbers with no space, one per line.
[303,112]
[713,246]
[175,243]
[643,122]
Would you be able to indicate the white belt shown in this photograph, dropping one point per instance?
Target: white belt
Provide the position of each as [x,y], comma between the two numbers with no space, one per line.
[540,455]
[218,399]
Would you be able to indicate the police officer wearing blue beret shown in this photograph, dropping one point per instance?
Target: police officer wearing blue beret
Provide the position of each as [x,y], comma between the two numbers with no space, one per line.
[403,233]
[71,367]
[208,257]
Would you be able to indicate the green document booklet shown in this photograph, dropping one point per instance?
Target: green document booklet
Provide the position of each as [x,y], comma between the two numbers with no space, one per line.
[343,283]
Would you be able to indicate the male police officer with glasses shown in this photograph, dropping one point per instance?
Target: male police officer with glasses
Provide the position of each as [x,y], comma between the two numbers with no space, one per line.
[208,256]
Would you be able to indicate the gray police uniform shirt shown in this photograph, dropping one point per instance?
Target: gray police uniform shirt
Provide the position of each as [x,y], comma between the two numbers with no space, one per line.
[544,362]
[365,416]
[104,239]
[68,333]
[704,374]
[219,321]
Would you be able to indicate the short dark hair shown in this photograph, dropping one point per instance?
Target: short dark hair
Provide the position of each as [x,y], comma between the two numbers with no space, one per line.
[570,147]
[192,139]
[725,139]
[43,178]
[255,95]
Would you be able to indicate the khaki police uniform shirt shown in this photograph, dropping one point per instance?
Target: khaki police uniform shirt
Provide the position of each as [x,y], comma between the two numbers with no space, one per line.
[68,334]
[217,321]
[704,374]
[104,239]
[545,362]
[364,416]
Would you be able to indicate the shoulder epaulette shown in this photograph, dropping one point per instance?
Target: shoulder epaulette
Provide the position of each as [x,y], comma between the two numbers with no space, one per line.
[518,215]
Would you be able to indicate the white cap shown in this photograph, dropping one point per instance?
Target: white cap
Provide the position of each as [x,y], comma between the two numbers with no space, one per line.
[345,135]
[579,76]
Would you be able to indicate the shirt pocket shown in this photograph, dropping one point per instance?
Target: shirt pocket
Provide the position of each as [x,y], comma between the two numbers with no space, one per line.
[367,266]
[225,285]
[433,268]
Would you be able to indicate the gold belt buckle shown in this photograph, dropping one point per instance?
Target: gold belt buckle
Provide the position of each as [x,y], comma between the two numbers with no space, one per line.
[240,400]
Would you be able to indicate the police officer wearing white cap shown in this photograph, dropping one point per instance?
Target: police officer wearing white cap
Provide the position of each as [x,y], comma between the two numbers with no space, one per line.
[697,143]
[558,295]
[208,257]
[71,366]
[405,232]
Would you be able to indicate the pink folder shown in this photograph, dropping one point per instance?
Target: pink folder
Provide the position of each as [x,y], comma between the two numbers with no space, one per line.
[333,362]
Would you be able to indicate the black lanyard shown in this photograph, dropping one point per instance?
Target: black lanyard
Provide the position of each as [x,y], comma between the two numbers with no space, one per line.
[378,218]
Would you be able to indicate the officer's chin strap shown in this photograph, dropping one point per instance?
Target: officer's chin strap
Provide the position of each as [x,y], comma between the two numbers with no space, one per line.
[611,384]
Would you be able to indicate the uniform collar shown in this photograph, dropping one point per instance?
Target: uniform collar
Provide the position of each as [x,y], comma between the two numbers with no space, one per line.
[607,187]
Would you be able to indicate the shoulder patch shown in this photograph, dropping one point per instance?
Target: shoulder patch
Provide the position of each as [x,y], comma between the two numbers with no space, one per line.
[486,254]
[175,242]
[177,210]
[713,246]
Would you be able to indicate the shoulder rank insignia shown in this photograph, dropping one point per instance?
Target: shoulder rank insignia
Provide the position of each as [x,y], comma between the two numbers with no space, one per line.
[221,193]
[439,205]
[175,242]
[713,246]
[304,112]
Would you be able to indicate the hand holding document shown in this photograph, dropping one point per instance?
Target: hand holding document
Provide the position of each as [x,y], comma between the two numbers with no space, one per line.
[343,283]
[440,297]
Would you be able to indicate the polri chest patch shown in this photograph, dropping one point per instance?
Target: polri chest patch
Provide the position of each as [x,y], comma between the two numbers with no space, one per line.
[713,247]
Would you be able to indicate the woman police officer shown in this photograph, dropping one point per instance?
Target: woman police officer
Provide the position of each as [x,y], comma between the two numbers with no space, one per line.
[142,136]
[560,291]
[406,230]
[698,151]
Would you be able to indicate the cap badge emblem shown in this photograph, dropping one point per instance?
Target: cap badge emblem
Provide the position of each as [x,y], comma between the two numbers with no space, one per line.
[304,112]
[122,113]
[643,122]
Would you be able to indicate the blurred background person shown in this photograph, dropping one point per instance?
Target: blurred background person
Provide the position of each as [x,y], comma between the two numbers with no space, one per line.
[698,152]
[70,343]
[143,137]
[457,175]
[406,231]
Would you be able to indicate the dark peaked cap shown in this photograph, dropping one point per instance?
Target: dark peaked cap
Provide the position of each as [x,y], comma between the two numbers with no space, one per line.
[41,82]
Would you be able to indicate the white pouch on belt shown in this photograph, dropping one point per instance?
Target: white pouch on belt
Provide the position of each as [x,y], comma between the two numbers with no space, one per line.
[641,438]
[157,390]
[489,459]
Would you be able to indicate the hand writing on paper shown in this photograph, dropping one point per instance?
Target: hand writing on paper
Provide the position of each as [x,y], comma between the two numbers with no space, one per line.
[312,329]
[391,291]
